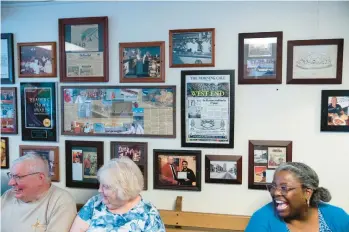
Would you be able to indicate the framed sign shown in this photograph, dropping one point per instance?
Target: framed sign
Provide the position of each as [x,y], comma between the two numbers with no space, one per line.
[223,169]
[83,47]
[134,111]
[9,121]
[7,60]
[38,105]
[5,157]
[207,108]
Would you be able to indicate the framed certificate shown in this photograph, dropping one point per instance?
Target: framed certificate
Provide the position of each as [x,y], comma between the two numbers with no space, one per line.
[7,65]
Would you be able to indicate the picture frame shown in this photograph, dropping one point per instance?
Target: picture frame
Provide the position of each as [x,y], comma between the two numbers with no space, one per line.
[37,59]
[7,60]
[264,156]
[260,58]
[192,47]
[223,169]
[78,175]
[5,157]
[165,177]
[136,151]
[335,110]
[9,115]
[316,61]
[84,49]
[142,62]
[125,111]
[199,128]
[50,153]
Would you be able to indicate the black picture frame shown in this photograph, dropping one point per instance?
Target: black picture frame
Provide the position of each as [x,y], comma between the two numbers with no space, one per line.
[5,149]
[231,176]
[10,59]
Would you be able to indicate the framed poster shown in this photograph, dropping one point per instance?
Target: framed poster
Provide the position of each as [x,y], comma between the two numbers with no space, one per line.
[207,108]
[5,157]
[7,60]
[38,105]
[9,121]
[84,49]
[223,169]
[134,111]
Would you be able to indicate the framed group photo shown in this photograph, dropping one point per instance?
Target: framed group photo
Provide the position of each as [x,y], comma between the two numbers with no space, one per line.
[9,121]
[5,157]
[7,59]
[223,169]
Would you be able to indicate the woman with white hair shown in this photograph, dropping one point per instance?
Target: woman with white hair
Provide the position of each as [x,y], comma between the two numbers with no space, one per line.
[119,206]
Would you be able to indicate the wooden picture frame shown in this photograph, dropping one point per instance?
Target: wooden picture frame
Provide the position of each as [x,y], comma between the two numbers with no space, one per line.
[317,61]
[264,156]
[7,61]
[9,117]
[5,157]
[84,40]
[260,58]
[199,52]
[142,62]
[223,169]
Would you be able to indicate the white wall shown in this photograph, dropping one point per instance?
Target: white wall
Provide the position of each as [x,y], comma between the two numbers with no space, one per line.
[264,112]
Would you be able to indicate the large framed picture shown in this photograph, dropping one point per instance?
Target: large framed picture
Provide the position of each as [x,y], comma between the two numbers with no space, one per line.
[38,105]
[133,111]
[177,169]
[317,61]
[5,157]
[7,61]
[260,58]
[223,169]
[264,156]
[192,47]
[9,121]
[207,108]
[335,110]
[83,159]
[84,49]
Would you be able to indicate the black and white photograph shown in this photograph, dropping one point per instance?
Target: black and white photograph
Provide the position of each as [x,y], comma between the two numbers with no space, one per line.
[223,169]
[260,156]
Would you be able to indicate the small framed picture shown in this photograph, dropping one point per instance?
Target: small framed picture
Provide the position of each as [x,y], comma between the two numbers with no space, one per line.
[177,169]
[335,110]
[7,71]
[9,121]
[192,47]
[223,169]
[5,158]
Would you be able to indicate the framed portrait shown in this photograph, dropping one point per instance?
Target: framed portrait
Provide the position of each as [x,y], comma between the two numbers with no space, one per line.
[223,169]
[83,159]
[207,108]
[177,169]
[5,157]
[317,61]
[260,58]
[7,61]
[192,47]
[264,156]
[142,62]
[133,111]
[335,110]
[84,49]
[136,151]
[37,59]
[49,153]
[38,105]
[9,121]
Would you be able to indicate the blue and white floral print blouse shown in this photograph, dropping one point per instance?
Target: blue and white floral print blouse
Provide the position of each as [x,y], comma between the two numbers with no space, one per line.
[323,227]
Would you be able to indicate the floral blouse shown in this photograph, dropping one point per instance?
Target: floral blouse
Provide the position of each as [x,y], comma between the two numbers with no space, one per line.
[322,224]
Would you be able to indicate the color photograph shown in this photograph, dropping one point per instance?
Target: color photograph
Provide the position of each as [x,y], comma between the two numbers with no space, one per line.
[4,153]
[8,110]
[338,111]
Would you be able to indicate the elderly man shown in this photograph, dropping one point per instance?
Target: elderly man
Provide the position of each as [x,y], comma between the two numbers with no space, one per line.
[33,203]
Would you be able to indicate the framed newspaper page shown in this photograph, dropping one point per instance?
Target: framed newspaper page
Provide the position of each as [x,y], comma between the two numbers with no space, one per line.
[207,108]
[7,71]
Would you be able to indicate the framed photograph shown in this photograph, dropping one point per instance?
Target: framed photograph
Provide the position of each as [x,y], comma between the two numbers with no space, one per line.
[50,153]
[318,61]
[136,151]
[9,121]
[177,169]
[335,110]
[84,49]
[37,59]
[38,105]
[5,158]
[264,156]
[7,61]
[223,169]
[142,62]
[260,58]
[83,159]
[133,111]
[207,108]
[192,47]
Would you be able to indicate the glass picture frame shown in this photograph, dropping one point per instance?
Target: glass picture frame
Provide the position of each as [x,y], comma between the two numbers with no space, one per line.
[223,169]
[7,59]
[5,156]
[9,113]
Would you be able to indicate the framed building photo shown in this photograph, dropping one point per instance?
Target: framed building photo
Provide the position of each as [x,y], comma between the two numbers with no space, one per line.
[223,169]
[260,58]
[318,61]
[9,121]
[177,169]
[7,61]
[142,62]
[5,157]
[335,110]
[207,108]
[192,47]
[84,49]
[264,156]
[83,159]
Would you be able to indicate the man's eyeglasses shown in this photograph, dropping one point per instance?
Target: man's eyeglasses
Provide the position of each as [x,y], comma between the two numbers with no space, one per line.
[17,178]
[283,189]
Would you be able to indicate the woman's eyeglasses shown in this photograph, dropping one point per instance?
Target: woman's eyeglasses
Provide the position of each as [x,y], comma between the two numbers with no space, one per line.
[284,189]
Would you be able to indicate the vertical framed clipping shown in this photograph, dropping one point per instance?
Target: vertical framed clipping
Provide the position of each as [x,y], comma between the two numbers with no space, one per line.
[207,108]
[7,65]
[83,47]
[5,157]
[9,121]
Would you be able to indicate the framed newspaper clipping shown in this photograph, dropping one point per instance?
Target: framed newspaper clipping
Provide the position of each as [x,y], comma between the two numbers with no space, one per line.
[7,71]
[8,110]
[207,108]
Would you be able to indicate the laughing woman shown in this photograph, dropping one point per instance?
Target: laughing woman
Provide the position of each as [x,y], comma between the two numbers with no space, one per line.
[299,204]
